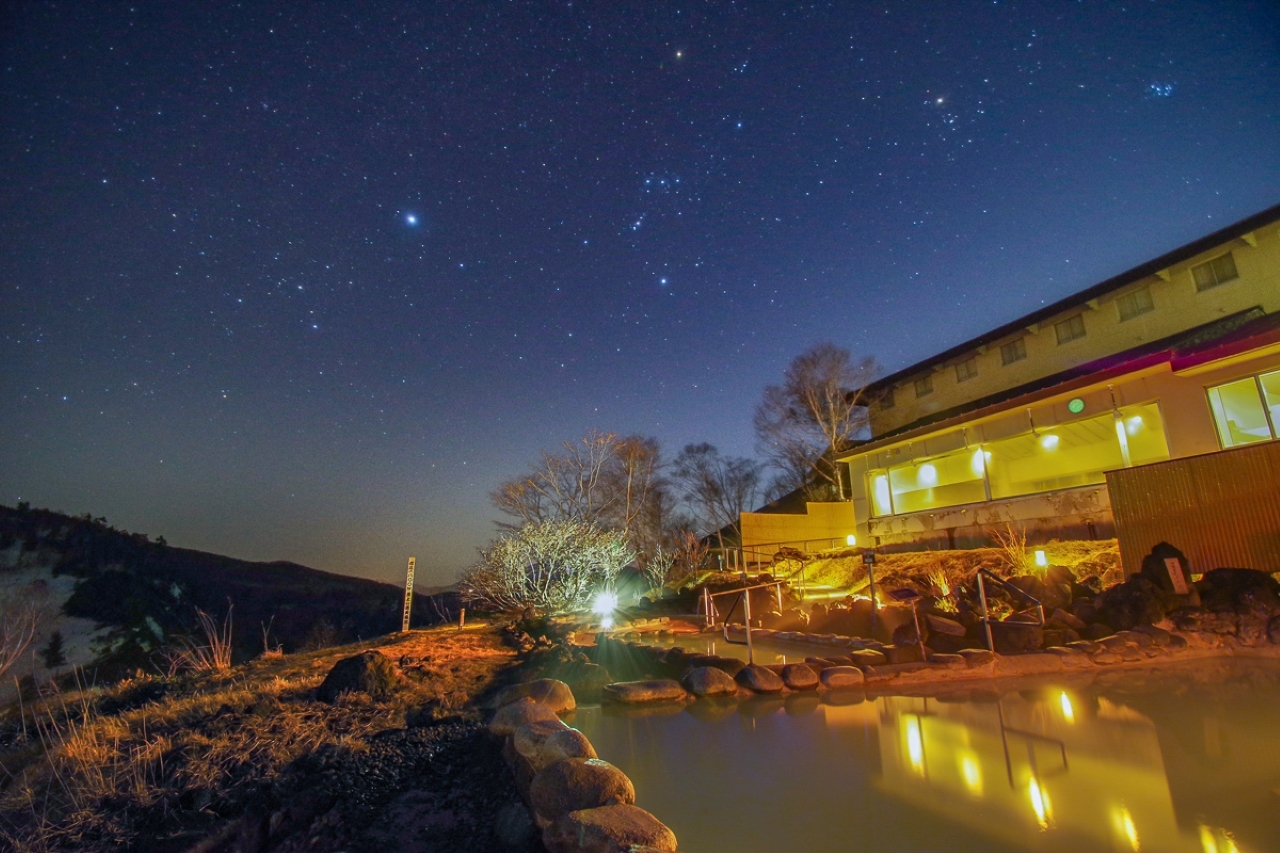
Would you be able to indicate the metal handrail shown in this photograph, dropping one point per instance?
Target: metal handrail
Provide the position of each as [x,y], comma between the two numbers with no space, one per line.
[1009,588]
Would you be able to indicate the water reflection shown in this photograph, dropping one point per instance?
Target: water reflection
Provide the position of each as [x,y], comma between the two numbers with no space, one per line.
[1189,762]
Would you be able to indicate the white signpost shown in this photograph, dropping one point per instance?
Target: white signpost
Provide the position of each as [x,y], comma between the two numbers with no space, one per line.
[408,597]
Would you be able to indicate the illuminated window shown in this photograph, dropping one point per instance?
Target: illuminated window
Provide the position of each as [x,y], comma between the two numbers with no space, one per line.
[1212,273]
[1069,329]
[966,369]
[1013,351]
[924,386]
[1246,410]
[1076,453]
[1134,303]
[886,399]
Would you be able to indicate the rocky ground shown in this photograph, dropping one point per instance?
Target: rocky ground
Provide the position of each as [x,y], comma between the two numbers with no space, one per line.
[255,758]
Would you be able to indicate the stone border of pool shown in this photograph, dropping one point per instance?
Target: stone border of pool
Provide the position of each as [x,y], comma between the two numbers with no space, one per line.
[580,803]
[870,666]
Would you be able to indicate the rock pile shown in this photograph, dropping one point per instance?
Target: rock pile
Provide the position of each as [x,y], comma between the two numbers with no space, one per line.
[580,803]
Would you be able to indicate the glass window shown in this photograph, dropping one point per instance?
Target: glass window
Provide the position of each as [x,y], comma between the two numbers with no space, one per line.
[924,386]
[966,369]
[1135,303]
[1013,351]
[1270,383]
[1215,272]
[1238,411]
[1070,329]
[947,480]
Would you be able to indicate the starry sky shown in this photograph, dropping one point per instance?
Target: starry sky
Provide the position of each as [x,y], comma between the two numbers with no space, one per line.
[306,281]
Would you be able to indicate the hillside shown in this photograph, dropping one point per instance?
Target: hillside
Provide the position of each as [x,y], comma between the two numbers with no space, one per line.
[120,598]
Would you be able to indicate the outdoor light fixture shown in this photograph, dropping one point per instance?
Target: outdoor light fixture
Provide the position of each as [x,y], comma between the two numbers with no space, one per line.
[1049,442]
[851,540]
[1042,559]
[606,603]
[928,475]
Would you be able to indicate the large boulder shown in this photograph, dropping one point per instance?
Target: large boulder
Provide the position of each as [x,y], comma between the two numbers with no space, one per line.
[609,829]
[728,665]
[521,713]
[799,676]
[556,695]
[758,679]
[544,743]
[1135,602]
[1016,638]
[868,657]
[708,681]
[577,783]
[368,672]
[943,625]
[636,692]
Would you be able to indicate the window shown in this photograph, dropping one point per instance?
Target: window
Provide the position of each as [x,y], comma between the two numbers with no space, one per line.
[1013,351]
[924,386]
[966,369]
[1063,456]
[1070,329]
[1246,410]
[886,399]
[1135,302]
[1212,273]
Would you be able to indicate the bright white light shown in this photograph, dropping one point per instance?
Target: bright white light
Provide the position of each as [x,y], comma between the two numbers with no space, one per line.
[972,775]
[978,464]
[1049,442]
[882,493]
[411,219]
[1039,803]
[1124,823]
[927,475]
[915,744]
[1068,712]
[1135,424]
[851,540]
[607,622]
[605,604]
[1042,559]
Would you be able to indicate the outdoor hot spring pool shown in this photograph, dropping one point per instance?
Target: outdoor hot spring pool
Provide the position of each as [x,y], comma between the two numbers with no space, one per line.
[1186,760]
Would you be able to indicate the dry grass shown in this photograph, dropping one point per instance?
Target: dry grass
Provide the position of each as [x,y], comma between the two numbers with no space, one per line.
[101,768]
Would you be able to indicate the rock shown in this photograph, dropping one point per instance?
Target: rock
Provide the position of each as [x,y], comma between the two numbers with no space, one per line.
[1137,601]
[1087,646]
[1070,657]
[655,690]
[950,661]
[510,717]
[556,695]
[1059,636]
[976,657]
[836,677]
[1130,654]
[1221,589]
[758,679]
[544,743]
[1083,609]
[1029,664]
[729,665]
[1014,638]
[577,783]
[368,672]
[1156,571]
[1176,643]
[585,679]
[943,625]
[799,676]
[708,681]
[1273,630]
[867,657]
[1159,636]
[1097,631]
[1115,643]
[1135,638]
[1065,619]
[904,653]
[1105,658]
[609,829]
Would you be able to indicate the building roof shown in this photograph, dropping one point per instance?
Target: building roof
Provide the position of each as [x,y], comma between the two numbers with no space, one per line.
[1150,268]
[1221,338]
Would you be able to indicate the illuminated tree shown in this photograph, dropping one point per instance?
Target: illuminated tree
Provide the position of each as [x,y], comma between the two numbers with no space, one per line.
[802,424]
[547,566]
[717,488]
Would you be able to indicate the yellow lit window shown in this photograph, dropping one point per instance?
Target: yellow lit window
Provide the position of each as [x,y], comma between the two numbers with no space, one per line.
[1245,411]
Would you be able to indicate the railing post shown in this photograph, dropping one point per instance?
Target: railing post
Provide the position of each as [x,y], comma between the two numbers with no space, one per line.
[986,617]
[746,604]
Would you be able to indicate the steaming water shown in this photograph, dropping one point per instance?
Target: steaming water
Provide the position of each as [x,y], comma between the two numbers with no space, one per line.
[1183,760]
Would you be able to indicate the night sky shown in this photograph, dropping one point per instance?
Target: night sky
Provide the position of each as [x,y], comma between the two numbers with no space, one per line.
[306,281]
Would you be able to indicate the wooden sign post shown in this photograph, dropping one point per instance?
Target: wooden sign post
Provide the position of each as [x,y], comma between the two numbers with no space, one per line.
[408,597]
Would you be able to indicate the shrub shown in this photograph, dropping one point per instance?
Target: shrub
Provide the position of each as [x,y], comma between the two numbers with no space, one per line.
[549,567]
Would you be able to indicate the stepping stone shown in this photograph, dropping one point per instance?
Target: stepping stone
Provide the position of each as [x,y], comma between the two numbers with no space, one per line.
[977,657]
[636,692]
[758,679]
[868,657]
[836,677]
[799,676]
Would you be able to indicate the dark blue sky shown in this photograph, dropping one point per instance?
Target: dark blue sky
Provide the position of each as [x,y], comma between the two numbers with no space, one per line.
[306,281]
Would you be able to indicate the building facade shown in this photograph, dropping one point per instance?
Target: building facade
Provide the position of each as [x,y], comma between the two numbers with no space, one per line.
[1177,357]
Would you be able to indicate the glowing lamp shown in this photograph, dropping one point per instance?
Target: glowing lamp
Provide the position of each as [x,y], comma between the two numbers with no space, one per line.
[851,540]
[928,475]
[1049,442]
[605,604]
[1042,559]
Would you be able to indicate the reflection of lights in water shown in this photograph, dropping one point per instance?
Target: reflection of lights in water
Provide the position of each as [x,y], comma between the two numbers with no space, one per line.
[1217,842]
[1124,825]
[972,775]
[1068,712]
[607,622]
[915,744]
[1039,803]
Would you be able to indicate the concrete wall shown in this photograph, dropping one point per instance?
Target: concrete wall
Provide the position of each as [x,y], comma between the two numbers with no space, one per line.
[1177,307]
[823,525]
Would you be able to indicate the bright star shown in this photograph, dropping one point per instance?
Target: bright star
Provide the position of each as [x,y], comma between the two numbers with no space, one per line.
[411,219]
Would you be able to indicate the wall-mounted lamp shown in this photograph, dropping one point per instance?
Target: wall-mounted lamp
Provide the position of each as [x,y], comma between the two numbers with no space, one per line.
[851,540]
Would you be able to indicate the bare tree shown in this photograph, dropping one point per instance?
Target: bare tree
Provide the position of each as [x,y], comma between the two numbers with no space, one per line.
[802,424]
[550,566]
[19,619]
[717,488]
[611,481]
